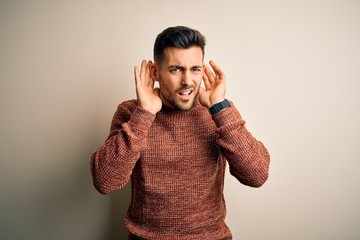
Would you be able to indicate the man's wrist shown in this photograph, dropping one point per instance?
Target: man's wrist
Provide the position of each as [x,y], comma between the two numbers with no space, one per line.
[217,107]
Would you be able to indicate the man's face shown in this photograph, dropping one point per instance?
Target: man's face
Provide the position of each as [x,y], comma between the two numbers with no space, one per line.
[180,75]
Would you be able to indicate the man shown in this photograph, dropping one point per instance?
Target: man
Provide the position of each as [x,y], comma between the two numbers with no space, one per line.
[173,142]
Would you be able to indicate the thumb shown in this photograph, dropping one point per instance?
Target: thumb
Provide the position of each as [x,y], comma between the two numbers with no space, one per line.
[202,97]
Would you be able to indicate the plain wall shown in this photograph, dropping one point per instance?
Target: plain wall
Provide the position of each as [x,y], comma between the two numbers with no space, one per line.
[293,70]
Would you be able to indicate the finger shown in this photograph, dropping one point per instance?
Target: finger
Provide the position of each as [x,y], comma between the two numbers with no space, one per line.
[210,76]
[136,73]
[148,68]
[217,70]
[206,81]
[149,80]
[143,70]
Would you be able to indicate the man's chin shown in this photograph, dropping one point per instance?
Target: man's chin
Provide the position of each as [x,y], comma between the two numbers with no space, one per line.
[184,106]
[180,104]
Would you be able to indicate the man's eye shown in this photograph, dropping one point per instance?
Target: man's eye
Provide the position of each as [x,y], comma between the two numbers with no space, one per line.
[175,70]
[196,69]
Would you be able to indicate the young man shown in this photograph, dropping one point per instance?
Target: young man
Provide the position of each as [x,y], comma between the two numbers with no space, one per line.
[173,142]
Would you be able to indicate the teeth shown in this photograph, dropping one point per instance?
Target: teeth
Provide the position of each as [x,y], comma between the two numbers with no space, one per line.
[185,93]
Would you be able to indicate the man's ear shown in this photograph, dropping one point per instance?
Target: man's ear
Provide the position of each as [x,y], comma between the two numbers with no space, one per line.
[154,72]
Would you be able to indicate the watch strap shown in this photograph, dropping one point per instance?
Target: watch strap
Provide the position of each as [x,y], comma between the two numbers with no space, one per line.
[219,106]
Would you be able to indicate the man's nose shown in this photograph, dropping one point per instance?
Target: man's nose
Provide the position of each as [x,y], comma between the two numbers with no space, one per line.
[186,78]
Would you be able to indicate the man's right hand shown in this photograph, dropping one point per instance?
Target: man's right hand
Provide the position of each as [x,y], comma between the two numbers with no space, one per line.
[148,97]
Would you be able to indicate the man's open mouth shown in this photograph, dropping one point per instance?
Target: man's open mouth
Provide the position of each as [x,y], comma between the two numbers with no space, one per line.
[185,93]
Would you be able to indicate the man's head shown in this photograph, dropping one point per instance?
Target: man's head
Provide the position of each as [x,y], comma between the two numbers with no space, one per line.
[178,56]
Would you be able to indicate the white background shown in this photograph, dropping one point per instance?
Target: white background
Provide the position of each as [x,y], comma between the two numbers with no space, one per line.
[293,71]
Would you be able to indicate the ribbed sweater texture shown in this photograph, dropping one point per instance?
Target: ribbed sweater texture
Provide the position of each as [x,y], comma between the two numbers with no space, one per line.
[176,162]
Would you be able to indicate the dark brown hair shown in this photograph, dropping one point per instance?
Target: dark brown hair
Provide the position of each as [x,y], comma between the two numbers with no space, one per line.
[179,37]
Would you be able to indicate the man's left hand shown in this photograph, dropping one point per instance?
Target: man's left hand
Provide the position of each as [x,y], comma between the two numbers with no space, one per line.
[215,86]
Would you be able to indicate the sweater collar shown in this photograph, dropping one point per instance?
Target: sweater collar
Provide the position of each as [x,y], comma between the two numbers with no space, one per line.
[167,109]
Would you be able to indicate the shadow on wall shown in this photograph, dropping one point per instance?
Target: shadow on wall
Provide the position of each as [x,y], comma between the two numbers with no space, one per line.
[61,203]
[120,201]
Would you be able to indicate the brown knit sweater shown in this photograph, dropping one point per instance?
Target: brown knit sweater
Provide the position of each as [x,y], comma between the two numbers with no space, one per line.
[176,162]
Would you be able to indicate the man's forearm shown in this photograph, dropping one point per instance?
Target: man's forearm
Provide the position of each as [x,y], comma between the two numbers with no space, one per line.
[248,158]
[112,164]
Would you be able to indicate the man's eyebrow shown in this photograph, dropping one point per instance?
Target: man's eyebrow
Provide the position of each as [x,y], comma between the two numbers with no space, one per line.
[176,66]
[197,66]
[181,67]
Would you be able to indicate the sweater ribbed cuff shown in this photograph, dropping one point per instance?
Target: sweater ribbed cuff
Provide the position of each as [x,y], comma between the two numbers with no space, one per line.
[141,120]
[228,116]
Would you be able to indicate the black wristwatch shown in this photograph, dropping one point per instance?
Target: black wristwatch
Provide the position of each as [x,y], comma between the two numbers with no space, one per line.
[219,106]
